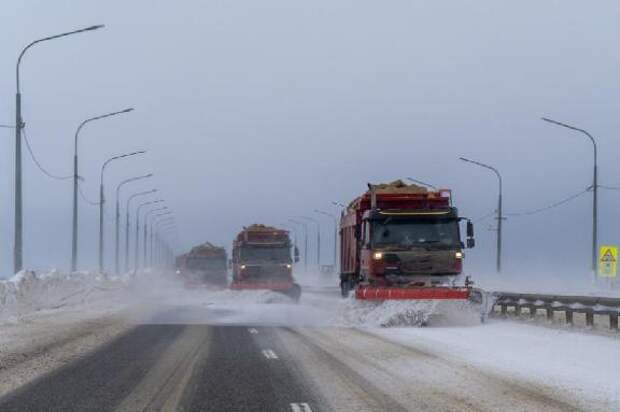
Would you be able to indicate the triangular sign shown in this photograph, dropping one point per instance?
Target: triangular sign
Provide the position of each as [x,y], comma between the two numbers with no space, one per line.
[608,256]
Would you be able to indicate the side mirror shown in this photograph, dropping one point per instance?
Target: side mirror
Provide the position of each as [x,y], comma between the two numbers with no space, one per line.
[470,229]
[471,242]
[296,253]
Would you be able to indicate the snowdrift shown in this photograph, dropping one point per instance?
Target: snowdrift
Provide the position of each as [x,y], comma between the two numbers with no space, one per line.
[28,292]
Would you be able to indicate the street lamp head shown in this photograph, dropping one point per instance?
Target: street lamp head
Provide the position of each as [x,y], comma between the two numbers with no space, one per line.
[127,110]
[465,159]
[95,27]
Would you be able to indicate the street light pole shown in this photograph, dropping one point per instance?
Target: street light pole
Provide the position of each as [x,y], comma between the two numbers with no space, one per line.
[335,234]
[160,243]
[102,201]
[127,229]
[500,216]
[146,223]
[155,222]
[293,229]
[594,190]
[318,239]
[118,217]
[19,125]
[137,255]
[75,183]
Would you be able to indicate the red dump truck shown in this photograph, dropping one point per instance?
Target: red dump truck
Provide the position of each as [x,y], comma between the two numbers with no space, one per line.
[261,259]
[402,241]
[203,265]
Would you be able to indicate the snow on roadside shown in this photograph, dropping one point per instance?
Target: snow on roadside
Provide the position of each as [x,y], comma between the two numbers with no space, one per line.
[29,292]
[583,364]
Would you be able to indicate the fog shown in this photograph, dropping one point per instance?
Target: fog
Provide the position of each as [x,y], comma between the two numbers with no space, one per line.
[263,111]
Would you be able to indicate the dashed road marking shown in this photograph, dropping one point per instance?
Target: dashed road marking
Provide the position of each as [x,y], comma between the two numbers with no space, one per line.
[300,407]
[253,331]
[269,354]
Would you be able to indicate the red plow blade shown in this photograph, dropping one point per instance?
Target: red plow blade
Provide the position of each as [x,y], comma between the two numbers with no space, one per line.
[411,293]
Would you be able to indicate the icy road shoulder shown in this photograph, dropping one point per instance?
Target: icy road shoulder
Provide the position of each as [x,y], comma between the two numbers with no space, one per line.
[562,361]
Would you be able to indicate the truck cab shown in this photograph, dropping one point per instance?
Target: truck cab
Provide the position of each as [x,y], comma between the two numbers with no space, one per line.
[262,260]
[403,236]
[414,247]
[202,265]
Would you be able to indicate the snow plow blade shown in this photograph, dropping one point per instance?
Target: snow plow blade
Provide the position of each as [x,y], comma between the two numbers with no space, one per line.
[411,293]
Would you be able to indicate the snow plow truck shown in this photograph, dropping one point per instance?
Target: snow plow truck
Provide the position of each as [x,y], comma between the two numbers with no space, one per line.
[401,241]
[261,259]
[203,265]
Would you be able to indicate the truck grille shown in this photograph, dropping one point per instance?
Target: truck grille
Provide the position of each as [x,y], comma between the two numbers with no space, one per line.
[265,272]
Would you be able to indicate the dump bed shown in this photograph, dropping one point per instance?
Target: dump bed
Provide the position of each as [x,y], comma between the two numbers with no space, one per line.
[261,234]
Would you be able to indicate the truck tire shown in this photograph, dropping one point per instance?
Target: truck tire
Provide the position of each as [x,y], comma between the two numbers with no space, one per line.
[294,292]
[345,288]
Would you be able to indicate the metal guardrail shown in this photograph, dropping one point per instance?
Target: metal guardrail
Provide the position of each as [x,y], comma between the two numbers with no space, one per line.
[556,303]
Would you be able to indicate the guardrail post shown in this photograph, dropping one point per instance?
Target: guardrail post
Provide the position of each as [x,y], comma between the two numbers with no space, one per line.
[588,305]
[549,313]
[589,318]
[569,317]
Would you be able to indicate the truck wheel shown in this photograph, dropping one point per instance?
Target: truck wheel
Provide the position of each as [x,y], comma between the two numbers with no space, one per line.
[344,288]
[294,292]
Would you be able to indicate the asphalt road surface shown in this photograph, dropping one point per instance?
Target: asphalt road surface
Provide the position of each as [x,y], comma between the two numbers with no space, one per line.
[198,367]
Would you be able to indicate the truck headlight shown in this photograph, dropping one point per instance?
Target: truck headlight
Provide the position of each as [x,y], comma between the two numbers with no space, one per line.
[289,266]
[458,255]
[377,255]
[242,267]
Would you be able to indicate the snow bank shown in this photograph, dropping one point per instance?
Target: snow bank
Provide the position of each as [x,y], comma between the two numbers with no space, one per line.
[582,364]
[28,292]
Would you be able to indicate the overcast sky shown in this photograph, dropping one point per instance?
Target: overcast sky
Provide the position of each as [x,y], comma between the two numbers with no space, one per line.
[258,111]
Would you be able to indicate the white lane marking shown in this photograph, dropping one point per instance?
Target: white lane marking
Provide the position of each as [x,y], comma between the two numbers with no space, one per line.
[253,331]
[300,407]
[269,354]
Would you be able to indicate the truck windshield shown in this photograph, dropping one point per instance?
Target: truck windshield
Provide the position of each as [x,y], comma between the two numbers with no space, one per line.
[197,263]
[440,233]
[266,254]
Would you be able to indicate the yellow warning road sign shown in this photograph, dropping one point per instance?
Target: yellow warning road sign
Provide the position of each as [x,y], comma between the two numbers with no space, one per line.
[608,261]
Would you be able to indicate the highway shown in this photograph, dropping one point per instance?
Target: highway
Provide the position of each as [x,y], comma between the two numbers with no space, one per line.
[172,362]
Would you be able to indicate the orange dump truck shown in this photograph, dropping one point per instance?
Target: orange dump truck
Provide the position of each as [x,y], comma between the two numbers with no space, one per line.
[261,259]
[402,241]
[204,264]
